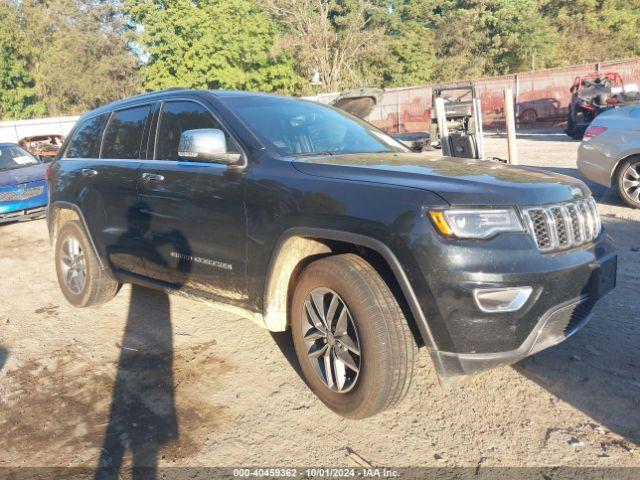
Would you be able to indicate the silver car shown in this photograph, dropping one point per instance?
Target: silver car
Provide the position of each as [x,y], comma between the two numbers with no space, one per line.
[610,152]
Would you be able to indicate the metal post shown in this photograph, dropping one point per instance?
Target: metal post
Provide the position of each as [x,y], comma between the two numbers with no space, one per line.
[477,111]
[443,129]
[511,126]
[517,82]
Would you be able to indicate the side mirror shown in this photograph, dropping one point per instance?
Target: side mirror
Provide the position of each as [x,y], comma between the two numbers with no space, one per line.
[206,145]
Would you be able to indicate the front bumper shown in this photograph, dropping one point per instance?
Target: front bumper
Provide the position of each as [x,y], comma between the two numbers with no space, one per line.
[18,215]
[14,210]
[566,286]
[553,328]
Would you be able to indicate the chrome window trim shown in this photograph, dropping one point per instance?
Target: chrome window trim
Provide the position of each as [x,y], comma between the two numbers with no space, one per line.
[162,102]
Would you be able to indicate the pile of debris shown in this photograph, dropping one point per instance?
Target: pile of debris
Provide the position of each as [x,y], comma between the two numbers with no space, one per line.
[44,147]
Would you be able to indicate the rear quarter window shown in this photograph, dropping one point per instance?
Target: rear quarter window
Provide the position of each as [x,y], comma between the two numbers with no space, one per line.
[123,136]
[86,140]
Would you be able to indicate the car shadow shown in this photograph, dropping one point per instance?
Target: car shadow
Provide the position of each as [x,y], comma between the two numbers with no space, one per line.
[554,136]
[549,134]
[3,356]
[142,416]
[598,369]
[284,342]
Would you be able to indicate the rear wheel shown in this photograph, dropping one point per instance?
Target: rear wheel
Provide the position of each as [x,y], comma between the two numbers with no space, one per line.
[629,182]
[82,280]
[528,117]
[352,340]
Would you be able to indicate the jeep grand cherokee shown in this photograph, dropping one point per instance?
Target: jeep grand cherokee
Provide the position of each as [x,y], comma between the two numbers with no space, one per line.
[300,216]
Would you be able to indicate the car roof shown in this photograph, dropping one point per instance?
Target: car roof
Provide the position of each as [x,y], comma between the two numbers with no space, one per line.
[9,144]
[160,94]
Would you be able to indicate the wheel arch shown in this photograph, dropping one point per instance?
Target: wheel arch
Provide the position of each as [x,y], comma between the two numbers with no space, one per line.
[615,171]
[60,212]
[298,247]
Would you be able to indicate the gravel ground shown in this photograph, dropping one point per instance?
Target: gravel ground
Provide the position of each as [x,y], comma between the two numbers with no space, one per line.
[182,384]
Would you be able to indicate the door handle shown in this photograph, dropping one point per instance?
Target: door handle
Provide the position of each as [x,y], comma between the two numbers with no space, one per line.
[89,172]
[152,177]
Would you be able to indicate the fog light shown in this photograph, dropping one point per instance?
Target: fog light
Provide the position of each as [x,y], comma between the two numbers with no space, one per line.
[501,299]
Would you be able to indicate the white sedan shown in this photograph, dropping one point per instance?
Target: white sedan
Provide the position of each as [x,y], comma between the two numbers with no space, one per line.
[610,152]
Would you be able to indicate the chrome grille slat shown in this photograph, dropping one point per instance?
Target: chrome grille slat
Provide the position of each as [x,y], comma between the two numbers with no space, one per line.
[568,225]
[562,226]
[551,227]
[588,221]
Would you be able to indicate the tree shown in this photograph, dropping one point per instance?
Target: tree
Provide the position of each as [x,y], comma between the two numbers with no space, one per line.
[215,44]
[17,92]
[338,38]
[594,30]
[517,32]
[476,38]
[84,57]
[408,55]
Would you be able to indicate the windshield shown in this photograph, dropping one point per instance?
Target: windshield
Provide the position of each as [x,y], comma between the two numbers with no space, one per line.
[298,127]
[12,156]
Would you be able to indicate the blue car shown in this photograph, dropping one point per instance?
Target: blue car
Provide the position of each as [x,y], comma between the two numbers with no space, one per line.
[23,188]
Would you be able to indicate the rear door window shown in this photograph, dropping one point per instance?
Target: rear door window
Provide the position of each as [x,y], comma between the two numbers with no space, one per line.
[179,116]
[86,141]
[123,137]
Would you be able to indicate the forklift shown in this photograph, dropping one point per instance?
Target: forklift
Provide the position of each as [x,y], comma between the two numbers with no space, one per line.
[462,118]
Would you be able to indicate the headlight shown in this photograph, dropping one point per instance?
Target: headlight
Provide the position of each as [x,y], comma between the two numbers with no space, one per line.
[475,223]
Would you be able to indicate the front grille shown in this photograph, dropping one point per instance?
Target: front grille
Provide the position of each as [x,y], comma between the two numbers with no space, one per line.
[557,227]
[21,194]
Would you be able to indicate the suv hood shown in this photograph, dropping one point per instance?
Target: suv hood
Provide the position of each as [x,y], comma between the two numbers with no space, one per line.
[20,175]
[459,181]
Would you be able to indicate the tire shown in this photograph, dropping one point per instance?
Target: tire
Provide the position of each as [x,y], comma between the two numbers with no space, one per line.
[529,117]
[98,286]
[375,325]
[629,182]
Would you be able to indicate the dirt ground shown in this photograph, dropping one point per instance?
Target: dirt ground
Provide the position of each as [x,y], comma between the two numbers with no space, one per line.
[181,384]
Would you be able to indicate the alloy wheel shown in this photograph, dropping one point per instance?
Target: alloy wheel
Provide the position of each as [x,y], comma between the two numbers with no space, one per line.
[332,341]
[631,182]
[73,265]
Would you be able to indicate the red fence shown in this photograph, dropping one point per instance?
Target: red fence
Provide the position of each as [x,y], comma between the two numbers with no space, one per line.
[543,92]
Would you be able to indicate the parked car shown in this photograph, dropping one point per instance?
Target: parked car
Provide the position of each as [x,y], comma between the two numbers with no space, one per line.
[610,152]
[539,110]
[23,189]
[298,215]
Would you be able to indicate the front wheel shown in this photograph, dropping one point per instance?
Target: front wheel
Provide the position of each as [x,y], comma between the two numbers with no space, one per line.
[629,182]
[351,337]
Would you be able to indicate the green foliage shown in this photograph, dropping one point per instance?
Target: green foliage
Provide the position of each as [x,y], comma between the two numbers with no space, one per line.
[83,57]
[215,44]
[409,58]
[594,30]
[17,92]
[68,56]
